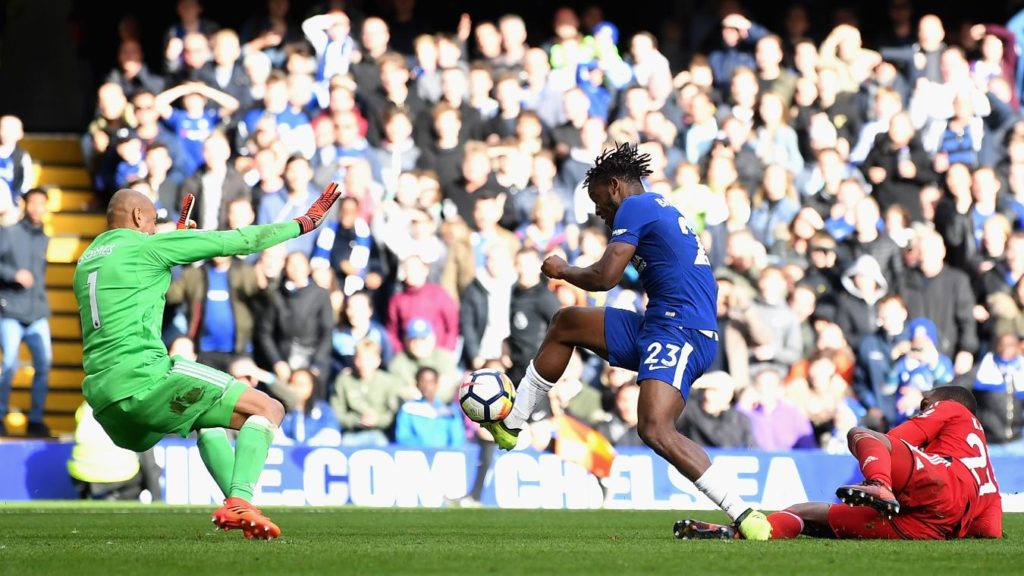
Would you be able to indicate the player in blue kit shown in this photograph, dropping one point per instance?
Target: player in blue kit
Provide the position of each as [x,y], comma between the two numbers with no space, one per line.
[670,346]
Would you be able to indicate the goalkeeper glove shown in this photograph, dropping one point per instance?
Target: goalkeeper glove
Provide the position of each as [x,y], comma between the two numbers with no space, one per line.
[315,215]
[186,212]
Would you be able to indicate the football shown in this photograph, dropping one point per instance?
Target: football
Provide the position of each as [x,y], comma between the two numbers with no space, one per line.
[487,396]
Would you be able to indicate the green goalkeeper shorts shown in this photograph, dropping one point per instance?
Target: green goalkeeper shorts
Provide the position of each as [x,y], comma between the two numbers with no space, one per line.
[188,397]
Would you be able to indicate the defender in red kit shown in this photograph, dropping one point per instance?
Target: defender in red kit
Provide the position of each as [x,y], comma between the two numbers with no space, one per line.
[927,479]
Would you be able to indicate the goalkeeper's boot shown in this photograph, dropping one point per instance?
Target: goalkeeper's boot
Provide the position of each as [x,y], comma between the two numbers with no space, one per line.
[239,514]
[754,525]
[504,437]
[690,529]
[870,493]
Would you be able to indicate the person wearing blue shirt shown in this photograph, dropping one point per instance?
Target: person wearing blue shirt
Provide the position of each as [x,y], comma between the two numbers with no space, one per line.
[194,124]
[918,371]
[312,422]
[670,345]
[428,422]
[294,200]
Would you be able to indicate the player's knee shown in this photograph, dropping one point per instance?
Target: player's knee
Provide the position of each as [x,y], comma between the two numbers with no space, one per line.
[273,410]
[855,434]
[564,323]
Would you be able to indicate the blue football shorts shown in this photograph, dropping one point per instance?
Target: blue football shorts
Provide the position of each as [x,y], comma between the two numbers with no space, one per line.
[658,349]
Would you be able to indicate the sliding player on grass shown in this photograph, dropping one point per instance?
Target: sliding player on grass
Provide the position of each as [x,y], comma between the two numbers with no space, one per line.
[670,346]
[138,393]
[927,479]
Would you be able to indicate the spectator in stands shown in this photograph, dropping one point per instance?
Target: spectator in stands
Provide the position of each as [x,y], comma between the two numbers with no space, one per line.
[161,179]
[194,123]
[15,162]
[24,308]
[712,421]
[922,59]
[347,247]
[216,185]
[226,72]
[131,73]
[421,351]
[113,114]
[295,329]
[190,23]
[422,299]
[866,239]
[311,422]
[620,428]
[484,309]
[776,423]
[428,422]
[268,34]
[865,286]
[999,389]
[739,35]
[897,166]
[442,152]
[824,274]
[219,298]
[785,343]
[397,152]
[365,399]
[130,164]
[394,92]
[920,370]
[291,202]
[774,205]
[329,35]
[943,294]
[876,355]
[374,39]
[357,323]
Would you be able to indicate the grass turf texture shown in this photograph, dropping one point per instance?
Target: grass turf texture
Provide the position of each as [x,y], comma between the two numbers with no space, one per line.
[81,539]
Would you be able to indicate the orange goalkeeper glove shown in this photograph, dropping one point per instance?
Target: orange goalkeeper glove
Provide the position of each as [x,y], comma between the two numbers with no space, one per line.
[315,215]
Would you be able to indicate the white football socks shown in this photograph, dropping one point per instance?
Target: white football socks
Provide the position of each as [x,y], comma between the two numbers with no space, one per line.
[712,483]
[531,389]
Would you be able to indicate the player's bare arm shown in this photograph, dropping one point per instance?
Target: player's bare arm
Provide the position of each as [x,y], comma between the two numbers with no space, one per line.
[598,277]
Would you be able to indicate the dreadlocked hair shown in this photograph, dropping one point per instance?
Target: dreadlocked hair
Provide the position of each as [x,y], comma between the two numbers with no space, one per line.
[624,162]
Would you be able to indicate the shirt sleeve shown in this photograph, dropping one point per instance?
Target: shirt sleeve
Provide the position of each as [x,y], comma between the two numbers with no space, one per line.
[923,428]
[184,246]
[631,220]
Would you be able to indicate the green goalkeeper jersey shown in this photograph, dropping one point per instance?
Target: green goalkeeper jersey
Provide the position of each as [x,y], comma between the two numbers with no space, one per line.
[120,284]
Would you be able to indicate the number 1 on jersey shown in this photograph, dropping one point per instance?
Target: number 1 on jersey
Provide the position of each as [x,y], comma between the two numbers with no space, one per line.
[93,307]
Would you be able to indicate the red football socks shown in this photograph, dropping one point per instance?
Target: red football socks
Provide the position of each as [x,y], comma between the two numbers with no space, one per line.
[874,457]
[785,525]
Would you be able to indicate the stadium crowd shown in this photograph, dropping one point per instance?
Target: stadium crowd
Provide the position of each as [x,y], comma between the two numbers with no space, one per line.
[861,201]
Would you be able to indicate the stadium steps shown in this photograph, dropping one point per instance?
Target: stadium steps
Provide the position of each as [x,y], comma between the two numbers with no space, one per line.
[73,222]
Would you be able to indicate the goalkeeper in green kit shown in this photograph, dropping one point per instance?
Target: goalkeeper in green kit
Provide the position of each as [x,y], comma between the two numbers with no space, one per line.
[137,392]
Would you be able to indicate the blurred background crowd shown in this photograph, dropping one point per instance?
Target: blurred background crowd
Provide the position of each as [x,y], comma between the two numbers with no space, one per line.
[860,197]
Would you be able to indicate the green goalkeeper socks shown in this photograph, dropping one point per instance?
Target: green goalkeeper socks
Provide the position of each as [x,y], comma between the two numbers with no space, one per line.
[254,440]
[218,456]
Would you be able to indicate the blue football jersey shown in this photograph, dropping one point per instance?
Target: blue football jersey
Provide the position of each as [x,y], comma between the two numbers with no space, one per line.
[673,266]
[192,132]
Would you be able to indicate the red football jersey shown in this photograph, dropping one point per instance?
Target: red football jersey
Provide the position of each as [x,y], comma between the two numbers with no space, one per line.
[949,429]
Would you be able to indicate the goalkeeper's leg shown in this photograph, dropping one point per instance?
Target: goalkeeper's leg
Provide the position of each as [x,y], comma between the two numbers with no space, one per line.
[570,327]
[256,416]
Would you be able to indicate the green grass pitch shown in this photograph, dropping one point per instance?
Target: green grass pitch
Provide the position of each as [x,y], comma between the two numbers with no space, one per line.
[82,539]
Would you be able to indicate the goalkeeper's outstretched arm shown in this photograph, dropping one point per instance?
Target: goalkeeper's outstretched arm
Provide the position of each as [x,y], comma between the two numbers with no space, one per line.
[184,246]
